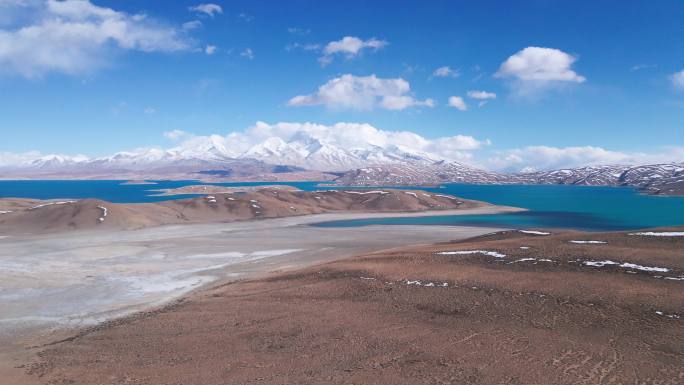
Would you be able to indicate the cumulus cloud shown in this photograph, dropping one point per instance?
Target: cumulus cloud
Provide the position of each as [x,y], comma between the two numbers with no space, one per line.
[362,93]
[535,69]
[75,36]
[208,9]
[458,103]
[350,47]
[677,79]
[190,25]
[446,72]
[247,53]
[210,49]
[535,158]
[481,95]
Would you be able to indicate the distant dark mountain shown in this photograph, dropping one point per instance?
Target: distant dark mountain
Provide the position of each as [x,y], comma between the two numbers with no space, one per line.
[666,179]
[420,175]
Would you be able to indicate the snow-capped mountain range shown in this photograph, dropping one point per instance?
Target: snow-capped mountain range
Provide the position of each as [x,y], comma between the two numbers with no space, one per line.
[278,159]
[304,152]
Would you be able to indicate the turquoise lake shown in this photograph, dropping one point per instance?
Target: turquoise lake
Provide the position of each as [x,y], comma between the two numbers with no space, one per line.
[555,206]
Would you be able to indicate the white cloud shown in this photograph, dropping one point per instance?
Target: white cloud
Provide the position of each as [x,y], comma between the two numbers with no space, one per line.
[176,134]
[75,36]
[303,46]
[247,53]
[298,31]
[207,9]
[535,68]
[245,17]
[534,158]
[12,158]
[446,71]
[362,93]
[190,25]
[458,103]
[481,95]
[677,79]
[150,110]
[350,47]
[639,67]
[210,49]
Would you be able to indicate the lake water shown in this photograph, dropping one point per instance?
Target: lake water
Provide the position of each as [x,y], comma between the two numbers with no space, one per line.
[574,207]
[111,190]
[554,206]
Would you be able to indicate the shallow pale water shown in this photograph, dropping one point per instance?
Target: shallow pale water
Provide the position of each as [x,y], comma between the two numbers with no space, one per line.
[555,206]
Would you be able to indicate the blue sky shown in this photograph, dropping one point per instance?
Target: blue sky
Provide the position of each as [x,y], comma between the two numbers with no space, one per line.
[614,80]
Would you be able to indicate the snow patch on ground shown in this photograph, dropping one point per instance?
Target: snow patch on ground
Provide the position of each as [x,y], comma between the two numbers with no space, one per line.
[673,316]
[104,214]
[367,192]
[589,242]
[660,234]
[411,193]
[535,260]
[425,284]
[534,232]
[467,252]
[626,266]
[447,196]
[5,211]
[524,247]
[50,204]
[523,260]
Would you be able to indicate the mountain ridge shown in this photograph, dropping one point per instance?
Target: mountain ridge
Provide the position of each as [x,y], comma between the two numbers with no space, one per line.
[306,157]
[657,179]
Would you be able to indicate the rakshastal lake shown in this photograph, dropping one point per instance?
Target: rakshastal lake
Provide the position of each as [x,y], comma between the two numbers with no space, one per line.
[550,206]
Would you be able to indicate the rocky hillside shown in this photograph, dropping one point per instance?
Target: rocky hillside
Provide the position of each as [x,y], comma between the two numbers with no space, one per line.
[30,216]
[665,179]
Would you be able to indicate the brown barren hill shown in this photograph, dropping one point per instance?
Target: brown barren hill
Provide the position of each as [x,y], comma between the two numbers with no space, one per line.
[31,216]
[508,308]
